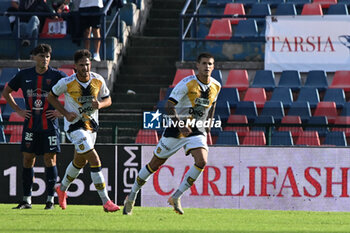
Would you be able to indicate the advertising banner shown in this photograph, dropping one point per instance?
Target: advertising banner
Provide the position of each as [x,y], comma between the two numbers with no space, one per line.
[306,42]
[270,178]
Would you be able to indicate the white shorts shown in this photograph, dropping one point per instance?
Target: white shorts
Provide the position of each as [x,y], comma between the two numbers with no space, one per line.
[167,146]
[83,140]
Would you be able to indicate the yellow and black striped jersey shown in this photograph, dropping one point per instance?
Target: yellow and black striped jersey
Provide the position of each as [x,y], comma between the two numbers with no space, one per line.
[193,99]
[79,96]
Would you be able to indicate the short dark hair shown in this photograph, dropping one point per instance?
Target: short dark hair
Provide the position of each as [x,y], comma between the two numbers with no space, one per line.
[42,48]
[204,55]
[80,54]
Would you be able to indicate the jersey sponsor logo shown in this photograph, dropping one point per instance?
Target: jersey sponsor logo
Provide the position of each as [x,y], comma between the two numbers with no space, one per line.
[86,108]
[34,93]
[38,104]
[84,99]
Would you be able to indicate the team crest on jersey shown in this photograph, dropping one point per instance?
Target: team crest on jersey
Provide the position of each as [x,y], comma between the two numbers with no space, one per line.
[159,150]
[48,81]
[28,144]
[81,147]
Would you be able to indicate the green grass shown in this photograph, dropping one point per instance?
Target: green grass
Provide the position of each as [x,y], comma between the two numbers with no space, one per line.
[82,218]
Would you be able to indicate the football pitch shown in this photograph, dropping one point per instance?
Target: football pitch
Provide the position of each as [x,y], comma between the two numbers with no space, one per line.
[84,218]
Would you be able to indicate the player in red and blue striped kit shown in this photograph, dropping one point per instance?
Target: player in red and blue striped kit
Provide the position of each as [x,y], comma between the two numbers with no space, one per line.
[40,131]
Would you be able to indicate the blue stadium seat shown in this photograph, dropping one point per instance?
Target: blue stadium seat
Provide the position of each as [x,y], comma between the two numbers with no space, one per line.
[227,138]
[301,109]
[222,110]
[291,79]
[218,3]
[260,9]
[246,28]
[336,95]
[337,9]
[5,27]
[273,3]
[263,120]
[217,75]
[322,123]
[283,94]
[4,5]
[318,79]
[229,94]
[247,108]
[347,2]
[265,79]
[247,3]
[309,94]
[298,3]
[281,138]
[346,109]
[6,75]
[275,109]
[286,9]
[335,138]
[6,112]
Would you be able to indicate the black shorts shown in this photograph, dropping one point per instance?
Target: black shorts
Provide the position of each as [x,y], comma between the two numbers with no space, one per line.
[93,21]
[40,143]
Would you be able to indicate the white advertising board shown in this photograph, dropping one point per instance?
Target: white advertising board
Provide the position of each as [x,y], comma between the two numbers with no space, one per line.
[306,42]
[269,178]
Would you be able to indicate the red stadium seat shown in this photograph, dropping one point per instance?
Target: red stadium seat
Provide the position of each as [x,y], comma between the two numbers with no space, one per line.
[296,131]
[238,119]
[180,74]
[255,138]
[325,3]
[234,9]
[145,136]
[237,79]
[341,79]
[258,95]
[67,71]
[14,130]
[312,9]
[342,120]
[309,138]
[328,109]
[220,29]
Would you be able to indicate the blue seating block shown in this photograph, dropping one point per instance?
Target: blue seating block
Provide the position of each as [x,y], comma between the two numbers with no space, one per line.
[227,138]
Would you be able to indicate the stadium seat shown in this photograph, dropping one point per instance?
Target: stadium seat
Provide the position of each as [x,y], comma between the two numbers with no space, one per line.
[275,109]
[341,79]
[286,9]
[346,2]
[346,110]
[15,131]
[328,109]
[259,11]
[319,124]
[234,9]
[218,3]
[338,9]
[336,95]
[256,94]
[217,75]
[309,94]
[180,74]
[67,71]
[342,120]
[335,139]
[318,79]
[301,109]
[312,9]
[237,79]
[265,79]
[220,29]
[309,138]
[291,79]
[247,108]
[325,3]
[229,94]
[295,130]
[145,136]
[247,3]
[7,110]
[246,28]
[237,119]
[283,94]
[222,110]
[6,75]
[268,126]
[281,138]
[273,3]
[254,138]
[15,94]
[5,26]
[4,5]
[227,138]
